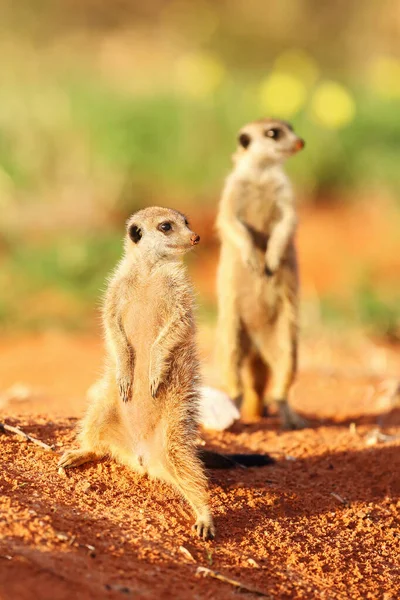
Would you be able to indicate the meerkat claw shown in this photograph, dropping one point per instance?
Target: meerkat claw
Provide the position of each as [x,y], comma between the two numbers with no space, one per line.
[290,419]
[205,529]
[296,422]
[125,388]
[154,388]
[155,382]
[73,458]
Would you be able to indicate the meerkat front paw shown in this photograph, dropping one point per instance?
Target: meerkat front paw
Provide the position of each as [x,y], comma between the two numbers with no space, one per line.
[124,383]
[269,272]
[204,527]
[271,266]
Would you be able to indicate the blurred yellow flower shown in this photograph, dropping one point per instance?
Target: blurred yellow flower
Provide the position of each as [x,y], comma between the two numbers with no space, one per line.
[384,76]
[199,75]
[332,105]
[299,63]
[282,94]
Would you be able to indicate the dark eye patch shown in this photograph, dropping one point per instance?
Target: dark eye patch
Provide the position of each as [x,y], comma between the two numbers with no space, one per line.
[135,233]
[165,227]
[275,133]
[244,140]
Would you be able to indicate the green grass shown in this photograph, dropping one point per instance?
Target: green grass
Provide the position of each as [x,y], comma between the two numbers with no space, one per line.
[159,144]
[168,142]
[76,136]
[58,283]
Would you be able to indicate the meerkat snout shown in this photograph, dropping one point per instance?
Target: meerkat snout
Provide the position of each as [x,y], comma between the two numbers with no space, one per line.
[194,239]
[299,144]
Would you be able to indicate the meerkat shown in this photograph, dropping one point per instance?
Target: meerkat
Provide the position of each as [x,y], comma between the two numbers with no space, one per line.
[144,410]
[257,280]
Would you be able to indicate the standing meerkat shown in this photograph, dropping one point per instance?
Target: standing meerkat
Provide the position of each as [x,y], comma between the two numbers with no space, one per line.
[257,274]
[144,411]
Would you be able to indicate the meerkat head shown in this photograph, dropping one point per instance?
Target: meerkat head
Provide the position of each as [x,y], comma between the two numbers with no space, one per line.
[267,141]
[159,234]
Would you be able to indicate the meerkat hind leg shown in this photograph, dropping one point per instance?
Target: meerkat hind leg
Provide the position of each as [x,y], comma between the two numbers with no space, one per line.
[279,351]
[101,428]
[282,374]
[230,357]
[229,348]
[185,472]
[254,377]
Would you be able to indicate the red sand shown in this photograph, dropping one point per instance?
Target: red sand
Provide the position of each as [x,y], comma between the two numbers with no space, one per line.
[321,523]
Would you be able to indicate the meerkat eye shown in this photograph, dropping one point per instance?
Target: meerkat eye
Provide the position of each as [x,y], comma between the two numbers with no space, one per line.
[164,227]
[275,133]
[186,223]
[244,140]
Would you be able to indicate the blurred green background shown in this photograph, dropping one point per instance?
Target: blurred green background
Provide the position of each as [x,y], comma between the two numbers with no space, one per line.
[108,107]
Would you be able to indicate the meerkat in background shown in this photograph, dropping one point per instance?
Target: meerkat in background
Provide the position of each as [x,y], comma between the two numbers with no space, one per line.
[144,411]
[257,274]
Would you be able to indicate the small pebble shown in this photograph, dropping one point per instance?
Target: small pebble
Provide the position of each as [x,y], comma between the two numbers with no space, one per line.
[253,563]
[86,487]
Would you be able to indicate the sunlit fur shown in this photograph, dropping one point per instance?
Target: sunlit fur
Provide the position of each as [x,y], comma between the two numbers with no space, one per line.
[257,273]
[144,410]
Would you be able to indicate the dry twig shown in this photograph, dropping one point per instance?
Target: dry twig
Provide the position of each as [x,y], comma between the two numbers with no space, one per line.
[29,438]
[186,553]
[241,587]
[340,499]
[90,548]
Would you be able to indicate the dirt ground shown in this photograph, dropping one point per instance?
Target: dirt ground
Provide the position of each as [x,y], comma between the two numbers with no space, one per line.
[323,522]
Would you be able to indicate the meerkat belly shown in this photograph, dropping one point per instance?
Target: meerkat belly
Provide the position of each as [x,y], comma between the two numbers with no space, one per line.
[143,323]
[142,414]
[145,319]
[257,215]
[258,206]
[258,300]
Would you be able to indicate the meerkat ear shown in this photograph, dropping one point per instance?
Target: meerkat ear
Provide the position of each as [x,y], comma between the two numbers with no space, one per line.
[244,140]
[135,233]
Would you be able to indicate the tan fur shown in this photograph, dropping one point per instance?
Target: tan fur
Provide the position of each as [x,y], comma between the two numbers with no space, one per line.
[257,272]
[144,411]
